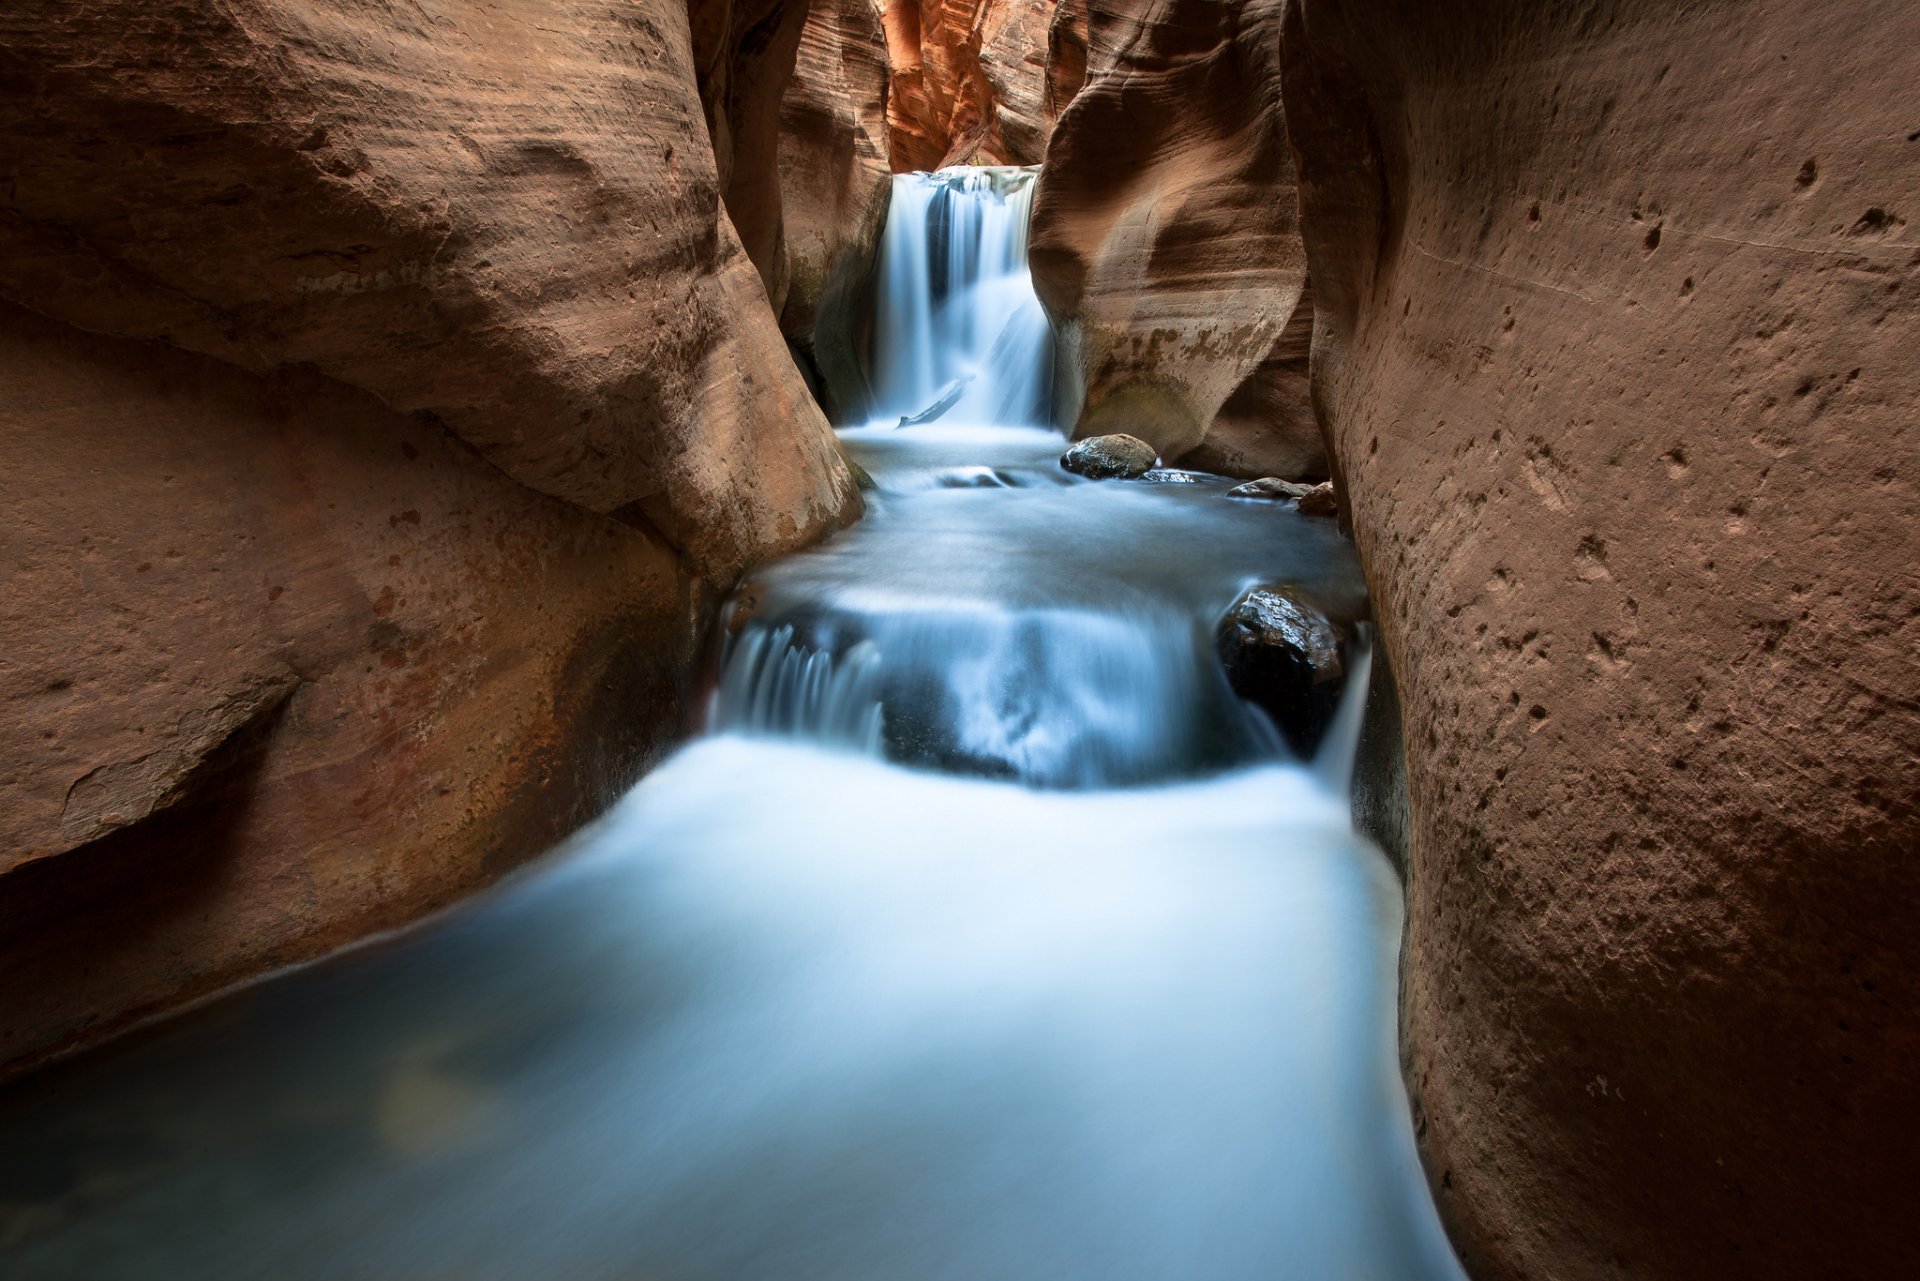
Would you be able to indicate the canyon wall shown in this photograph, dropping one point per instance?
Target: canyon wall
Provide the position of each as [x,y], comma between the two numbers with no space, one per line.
[834,158]
[388,398]
[1165,238]
[1616,314]
[968,81]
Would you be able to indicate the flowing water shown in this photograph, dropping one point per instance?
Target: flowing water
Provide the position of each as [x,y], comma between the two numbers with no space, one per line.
[985,936]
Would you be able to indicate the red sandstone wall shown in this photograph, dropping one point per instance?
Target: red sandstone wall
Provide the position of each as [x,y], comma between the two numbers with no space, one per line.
[1615,350]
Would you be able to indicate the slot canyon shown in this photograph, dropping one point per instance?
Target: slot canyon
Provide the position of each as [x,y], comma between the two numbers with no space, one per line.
[864,639]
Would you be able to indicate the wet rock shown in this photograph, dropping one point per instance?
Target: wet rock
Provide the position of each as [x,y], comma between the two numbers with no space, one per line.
[1271,488]
[1320,501]
[1288,659]
[1175,476]
[1113,457]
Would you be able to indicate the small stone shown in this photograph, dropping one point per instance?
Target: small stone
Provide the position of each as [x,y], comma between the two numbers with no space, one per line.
[1174,476]
[1319,501]
[1288,659]
[1270,488]
[1117,457]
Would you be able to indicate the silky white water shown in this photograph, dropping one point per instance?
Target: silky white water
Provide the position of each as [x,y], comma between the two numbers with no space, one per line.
[959,335]
[985,936]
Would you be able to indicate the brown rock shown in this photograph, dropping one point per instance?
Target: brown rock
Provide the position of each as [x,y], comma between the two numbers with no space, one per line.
[1165,242]
[1616,336]
[412,208]
[1271,488]
[1115,457]
[387,397]
[834,180]
[1320,501]
[284,667]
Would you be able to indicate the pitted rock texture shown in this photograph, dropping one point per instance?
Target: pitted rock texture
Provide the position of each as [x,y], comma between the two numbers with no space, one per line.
[1616,322]
[1165,240]
[834,183]
[968,81]
[387,397]
[510,218]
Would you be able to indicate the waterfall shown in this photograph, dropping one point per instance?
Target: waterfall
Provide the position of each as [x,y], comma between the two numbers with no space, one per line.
[958,333]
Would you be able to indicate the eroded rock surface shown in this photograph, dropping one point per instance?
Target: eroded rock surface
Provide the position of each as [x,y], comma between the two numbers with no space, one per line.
[387,395]
[834,171]
[1616,322]
[511,220]
[969,81]
[1165,239]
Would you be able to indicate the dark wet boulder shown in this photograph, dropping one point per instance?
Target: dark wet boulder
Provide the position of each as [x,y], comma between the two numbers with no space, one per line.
[1272,489]
[1287,658]
[1320,501]
[1116,457]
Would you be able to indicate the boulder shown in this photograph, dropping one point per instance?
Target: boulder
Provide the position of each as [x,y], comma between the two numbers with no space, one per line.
[1287,658]
[1320,501]
[1616,323]
[1116,457]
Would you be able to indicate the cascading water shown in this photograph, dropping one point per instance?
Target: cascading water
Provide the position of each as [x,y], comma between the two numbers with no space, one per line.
[958,333]
[986,936]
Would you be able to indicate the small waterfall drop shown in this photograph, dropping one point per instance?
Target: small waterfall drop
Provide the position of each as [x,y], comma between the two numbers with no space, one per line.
[958,334]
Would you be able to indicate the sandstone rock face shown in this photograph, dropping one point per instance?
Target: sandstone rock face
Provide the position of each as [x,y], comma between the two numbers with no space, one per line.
[834,171]
[968,81]
[1616,322]
[387,398]
[1165,239]
[510,220]
[744,53]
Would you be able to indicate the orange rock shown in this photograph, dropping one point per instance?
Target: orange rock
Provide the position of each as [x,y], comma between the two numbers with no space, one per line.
[968,81]
[1616,347]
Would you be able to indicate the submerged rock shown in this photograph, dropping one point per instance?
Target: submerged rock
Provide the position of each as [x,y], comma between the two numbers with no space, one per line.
[1110,457]
[1320,501]
[1288,659]
[1271,488]
[1175,476]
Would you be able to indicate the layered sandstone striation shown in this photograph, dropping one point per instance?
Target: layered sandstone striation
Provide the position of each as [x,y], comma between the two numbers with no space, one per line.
[968,81]
[388,396]
[834,170]
[1165,239]
[1615,330]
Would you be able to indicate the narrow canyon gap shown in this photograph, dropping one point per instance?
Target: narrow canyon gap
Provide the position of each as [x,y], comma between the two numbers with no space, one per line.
[390,400]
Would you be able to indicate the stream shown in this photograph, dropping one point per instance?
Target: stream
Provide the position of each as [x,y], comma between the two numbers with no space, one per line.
[984,934]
